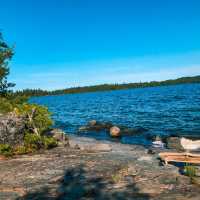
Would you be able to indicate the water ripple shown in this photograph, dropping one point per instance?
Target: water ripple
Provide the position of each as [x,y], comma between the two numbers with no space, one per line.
[162,110]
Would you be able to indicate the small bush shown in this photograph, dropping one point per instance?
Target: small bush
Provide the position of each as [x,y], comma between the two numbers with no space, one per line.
[5,106]
[10,103]
[37,118]
[33,142]
[49,142]
[116,178]
[190,170]
[19,150]
[6,150]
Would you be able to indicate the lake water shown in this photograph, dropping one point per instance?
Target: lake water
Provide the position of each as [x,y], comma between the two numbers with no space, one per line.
[161,110]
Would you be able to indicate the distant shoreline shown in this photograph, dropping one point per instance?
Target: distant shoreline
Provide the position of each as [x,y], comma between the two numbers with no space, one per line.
[109,87]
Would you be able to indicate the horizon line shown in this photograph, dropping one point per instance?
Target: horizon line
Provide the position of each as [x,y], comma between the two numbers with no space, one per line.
[108,84]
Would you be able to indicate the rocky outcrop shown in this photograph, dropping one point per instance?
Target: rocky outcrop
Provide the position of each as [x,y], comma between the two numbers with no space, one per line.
[11,129]
[174,143]
[59,135]
[126,172]
[88,144]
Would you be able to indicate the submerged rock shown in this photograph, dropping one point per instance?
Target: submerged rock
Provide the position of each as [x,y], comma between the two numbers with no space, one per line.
[93,125]
[115,131]
[83,128]
[11,129]
[131,131]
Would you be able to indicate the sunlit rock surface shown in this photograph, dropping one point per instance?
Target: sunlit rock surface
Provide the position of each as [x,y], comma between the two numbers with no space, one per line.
[11,129]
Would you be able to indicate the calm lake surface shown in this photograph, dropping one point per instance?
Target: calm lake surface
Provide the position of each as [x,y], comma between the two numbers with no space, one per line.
[161,110]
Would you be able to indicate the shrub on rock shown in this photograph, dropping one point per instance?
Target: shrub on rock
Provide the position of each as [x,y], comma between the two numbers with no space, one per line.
[37,118]
[49,142]
[6,150]
[21,123]
[58,134]
[35,142]
[19,150]
[5,106]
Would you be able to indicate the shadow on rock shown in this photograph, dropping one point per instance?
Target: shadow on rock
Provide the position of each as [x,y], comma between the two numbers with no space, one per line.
[77,184]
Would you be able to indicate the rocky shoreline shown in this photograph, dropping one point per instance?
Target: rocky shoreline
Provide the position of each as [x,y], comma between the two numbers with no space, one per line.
[91,169]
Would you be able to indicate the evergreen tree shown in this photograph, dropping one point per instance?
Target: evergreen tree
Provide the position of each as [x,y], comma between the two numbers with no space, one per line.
[6,54]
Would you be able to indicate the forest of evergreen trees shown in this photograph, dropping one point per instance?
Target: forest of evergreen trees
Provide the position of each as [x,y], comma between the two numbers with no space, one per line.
[107,87]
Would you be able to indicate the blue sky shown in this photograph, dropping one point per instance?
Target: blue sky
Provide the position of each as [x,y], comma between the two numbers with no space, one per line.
[64,43]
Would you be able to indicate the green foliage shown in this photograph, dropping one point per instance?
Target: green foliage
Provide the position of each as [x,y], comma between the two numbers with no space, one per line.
[190,170]
[120,174]
[6,54]
[6,150]
[16,100]
[33,142]
[49,142]
[11,102]
[37,118]
[107,87]
[19,150]
[116,178]
[5,106]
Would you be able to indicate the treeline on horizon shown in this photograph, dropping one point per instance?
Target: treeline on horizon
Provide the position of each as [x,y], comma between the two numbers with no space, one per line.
[107,87]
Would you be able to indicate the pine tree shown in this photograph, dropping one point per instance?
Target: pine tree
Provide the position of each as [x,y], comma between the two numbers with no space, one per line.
[6,54]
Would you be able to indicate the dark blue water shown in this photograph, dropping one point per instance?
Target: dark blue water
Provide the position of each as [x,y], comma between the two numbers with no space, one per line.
[161,110]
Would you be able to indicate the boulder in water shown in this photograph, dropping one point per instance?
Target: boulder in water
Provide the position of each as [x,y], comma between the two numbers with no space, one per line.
[83,128]
[94,125]
[115,131]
